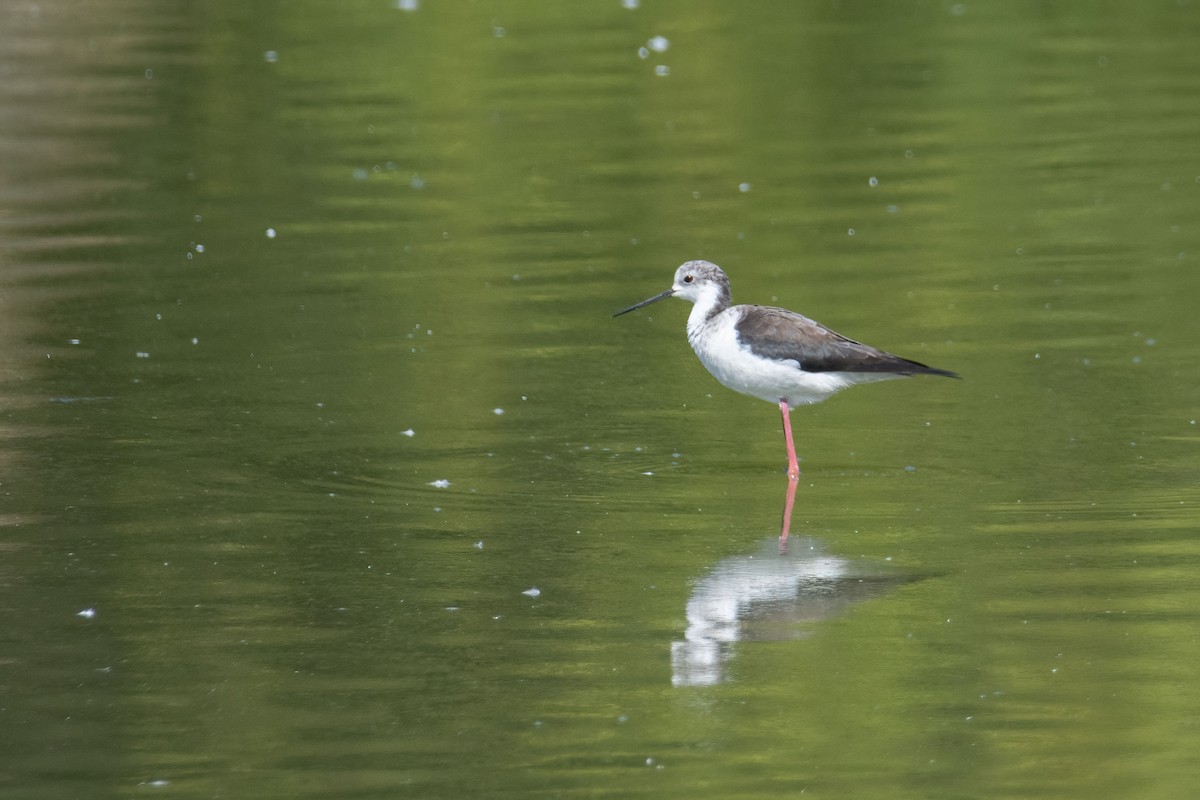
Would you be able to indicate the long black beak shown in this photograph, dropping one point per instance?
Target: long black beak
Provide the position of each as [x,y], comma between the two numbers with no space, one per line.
[655,299]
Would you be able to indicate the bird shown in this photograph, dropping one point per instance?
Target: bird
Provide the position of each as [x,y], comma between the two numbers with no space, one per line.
[774,354]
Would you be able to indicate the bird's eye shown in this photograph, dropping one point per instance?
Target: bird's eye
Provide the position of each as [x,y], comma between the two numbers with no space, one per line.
[688,278]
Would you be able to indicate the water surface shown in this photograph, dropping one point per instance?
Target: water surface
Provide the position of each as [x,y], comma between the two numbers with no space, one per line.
[326,472]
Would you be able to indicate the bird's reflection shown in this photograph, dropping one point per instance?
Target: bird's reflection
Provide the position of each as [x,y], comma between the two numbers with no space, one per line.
[772,595]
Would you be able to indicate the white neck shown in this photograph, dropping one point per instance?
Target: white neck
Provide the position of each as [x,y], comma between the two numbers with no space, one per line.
[707,303]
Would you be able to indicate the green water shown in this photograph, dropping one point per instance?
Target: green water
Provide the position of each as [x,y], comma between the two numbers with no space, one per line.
[309,379]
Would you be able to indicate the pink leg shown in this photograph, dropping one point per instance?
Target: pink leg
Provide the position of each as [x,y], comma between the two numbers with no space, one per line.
[788,502]
[793,463]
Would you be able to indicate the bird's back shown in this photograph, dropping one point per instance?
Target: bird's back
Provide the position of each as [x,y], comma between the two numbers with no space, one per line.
[782,335]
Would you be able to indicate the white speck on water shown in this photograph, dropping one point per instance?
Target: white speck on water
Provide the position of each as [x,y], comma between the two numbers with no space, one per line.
[744,187]
[149,73]
[195,340]
[87,613]
[662,70]
[158,783]
[497,411]
[910,468]
[360,174]
[158,317]
[479,545]
[533,591]
[643,52]
[142,354]
[452,608]
[630,4]
[409,433]
[270,233]
[851,232]
[659,44]
[270,56]
[498,31]
[73,341]
[872,181]
[408,5]
[647,473]
[199,248]
[440,483]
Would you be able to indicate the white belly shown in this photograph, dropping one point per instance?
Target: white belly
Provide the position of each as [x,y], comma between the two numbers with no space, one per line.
[735,366]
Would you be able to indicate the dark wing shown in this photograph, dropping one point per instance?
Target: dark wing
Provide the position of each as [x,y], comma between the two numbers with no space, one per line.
[780,334]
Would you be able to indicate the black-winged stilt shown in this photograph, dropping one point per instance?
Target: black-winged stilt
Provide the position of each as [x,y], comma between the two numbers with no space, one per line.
[772,353]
